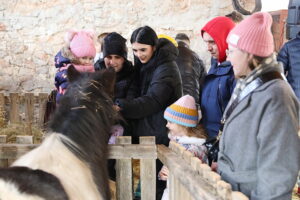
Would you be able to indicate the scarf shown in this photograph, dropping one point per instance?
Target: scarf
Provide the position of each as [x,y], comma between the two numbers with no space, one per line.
[248,84]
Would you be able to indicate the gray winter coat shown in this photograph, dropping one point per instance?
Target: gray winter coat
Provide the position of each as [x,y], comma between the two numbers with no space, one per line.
[260,148]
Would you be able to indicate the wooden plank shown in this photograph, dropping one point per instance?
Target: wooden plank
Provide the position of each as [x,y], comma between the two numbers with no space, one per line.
[3,162]
[239,196]
[42,100]
[194,183]
[134,151]
[13,151]
[3,121]
[224,190]
[29,112]
[148,172]
[171,185]
[115,151]
[124,174]
[24,139]
[14,108]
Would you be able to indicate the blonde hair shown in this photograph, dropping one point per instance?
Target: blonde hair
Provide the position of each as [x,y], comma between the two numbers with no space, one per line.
[67,53]
[197,131]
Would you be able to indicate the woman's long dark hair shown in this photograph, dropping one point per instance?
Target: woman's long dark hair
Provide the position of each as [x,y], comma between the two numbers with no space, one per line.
[144,35]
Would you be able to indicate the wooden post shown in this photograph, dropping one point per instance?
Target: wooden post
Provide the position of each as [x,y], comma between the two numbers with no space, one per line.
[2,110]
[29,112]
[172,187]
[124,174]
[42,108]
[187,156]
[224,190]
[148,172]
[3,162]
[14,108]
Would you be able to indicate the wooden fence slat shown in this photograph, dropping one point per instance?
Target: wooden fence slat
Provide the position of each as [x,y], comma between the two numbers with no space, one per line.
[124,174]
[14,108]
[29,112]
[3,162]
[134,151]
[42,108]
[239,196]
[148,172]
[224,190]
[171,185]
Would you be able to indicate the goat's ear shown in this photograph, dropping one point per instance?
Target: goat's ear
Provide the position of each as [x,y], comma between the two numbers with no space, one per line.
[72,73]
[108,79]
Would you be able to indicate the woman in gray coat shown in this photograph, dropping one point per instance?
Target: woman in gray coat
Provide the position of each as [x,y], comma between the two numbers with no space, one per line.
[259,147]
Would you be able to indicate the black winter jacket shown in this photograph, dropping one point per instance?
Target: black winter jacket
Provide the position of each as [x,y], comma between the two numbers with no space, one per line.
[160,85]
[289,55]
[192,71]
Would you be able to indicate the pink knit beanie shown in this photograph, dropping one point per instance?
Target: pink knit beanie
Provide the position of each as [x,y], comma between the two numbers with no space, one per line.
[81,43]
[183,112]
[253,35]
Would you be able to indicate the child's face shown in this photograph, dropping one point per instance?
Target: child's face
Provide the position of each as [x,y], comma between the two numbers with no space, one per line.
[87,60]
[176,129]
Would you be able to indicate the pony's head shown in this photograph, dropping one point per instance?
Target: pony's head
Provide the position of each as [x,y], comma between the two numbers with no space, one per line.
[85,116]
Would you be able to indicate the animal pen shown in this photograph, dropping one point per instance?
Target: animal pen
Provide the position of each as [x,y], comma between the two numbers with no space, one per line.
[188,179]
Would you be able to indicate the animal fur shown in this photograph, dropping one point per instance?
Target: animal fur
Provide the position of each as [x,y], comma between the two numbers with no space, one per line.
[75,148]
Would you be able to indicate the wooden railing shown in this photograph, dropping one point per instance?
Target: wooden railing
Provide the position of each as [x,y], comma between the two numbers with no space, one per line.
[188,179]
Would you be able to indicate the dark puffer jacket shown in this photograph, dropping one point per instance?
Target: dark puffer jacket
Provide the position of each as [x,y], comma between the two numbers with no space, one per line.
[218,87]
[191,69]
[289,55]
[160,85]
[124,77]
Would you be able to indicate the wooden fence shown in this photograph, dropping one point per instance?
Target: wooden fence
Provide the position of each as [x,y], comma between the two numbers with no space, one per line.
[29,105]
[189,179]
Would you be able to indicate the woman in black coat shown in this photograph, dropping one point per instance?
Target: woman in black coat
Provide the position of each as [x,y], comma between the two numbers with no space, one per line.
[157,85]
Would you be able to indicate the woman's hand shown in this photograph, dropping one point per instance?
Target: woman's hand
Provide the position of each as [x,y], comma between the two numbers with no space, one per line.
[163,173]
[117,108]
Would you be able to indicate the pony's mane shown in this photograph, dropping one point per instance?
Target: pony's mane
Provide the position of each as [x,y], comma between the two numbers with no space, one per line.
[85,116]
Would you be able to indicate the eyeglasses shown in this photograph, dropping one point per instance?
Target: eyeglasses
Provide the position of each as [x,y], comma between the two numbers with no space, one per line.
[228,52]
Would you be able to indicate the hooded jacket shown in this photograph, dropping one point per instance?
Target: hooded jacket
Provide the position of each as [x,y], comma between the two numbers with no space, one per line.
[219,28]
[219,82]
[160,85]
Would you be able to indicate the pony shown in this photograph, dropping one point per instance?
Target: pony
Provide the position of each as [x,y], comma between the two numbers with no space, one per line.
[71,162]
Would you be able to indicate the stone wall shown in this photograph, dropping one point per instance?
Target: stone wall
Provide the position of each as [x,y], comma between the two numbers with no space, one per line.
[32,31]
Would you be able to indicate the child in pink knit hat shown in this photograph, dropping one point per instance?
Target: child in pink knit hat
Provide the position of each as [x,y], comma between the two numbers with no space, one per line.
[182,117]
[79,51]
[259,144]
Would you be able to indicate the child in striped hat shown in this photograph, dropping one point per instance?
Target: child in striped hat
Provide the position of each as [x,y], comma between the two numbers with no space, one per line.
[183,117]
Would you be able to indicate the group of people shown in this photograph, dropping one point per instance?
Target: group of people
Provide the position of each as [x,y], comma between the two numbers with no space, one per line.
[243,99]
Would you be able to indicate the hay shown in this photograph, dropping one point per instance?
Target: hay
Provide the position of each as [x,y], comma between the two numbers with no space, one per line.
[13,130]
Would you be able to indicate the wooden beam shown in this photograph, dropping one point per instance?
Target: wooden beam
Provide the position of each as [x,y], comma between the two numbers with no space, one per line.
[194,183]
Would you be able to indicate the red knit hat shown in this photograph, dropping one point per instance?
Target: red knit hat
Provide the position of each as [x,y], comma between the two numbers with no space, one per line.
[81,43]
[254,35]
[218,28]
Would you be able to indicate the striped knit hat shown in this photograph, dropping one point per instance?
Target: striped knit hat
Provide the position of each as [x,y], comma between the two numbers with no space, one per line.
[183,112]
